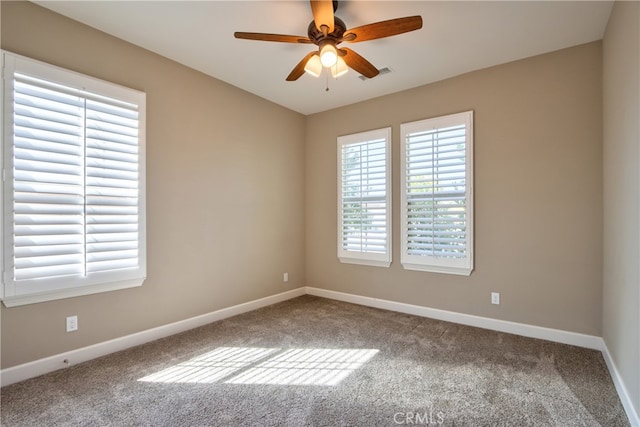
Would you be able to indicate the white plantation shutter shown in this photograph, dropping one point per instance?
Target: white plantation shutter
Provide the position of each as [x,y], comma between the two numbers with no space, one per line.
[73,184]
[364,230]
[437,203]
[112,186]
[48,186]
[364,197]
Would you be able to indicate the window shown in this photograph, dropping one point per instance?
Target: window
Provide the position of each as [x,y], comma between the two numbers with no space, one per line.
[364,198]
[437,194]
[74,188]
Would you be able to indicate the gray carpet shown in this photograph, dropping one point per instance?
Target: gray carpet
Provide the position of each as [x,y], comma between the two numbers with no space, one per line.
[317,362]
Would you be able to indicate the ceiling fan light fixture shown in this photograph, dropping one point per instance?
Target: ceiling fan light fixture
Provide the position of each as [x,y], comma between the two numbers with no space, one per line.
[328,55]
[327,31]
[339,69]
[314,66]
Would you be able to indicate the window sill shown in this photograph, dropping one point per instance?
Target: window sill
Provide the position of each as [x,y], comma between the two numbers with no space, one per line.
[460,271]
[18,300]
[373,263]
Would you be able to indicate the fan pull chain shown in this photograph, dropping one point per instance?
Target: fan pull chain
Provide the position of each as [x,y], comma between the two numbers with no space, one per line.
[327,89]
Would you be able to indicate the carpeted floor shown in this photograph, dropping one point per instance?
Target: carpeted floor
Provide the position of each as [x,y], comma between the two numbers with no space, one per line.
[317,362]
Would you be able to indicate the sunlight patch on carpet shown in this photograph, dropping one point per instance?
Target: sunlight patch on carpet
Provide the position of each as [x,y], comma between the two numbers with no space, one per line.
[210,367]
[306,367]
[251,365]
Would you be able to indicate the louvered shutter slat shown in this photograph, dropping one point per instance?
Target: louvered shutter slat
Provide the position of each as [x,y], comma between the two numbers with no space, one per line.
[96,182]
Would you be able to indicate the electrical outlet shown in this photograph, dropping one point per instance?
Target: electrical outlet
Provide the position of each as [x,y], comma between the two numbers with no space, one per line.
[285,278]
[495,297]
[72,323]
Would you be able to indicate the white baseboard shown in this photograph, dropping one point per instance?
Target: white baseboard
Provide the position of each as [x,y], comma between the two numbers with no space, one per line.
[632,414]
[55,362]
[555,335]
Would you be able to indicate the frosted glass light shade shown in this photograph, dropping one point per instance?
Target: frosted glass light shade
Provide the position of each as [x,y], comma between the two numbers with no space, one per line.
[313,66]
[339,69]
[328,55]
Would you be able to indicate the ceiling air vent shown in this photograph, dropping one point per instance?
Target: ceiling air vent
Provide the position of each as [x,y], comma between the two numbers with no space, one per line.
[383,71]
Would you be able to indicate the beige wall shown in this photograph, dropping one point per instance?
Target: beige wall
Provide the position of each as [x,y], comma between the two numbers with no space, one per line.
[538,193]
[225,201]
[621,296]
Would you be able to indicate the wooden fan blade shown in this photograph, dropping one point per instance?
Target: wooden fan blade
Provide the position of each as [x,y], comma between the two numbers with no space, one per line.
[382,29]
[298,70]
[272,37]
[358,63]
[323,14]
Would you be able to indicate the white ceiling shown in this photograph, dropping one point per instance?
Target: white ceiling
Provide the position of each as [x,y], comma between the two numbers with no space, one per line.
[457,37]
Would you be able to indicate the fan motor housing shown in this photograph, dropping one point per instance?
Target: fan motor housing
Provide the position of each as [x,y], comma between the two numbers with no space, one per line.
[317,36]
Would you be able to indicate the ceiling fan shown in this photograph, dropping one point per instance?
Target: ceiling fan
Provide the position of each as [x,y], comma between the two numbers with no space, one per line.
[327,31]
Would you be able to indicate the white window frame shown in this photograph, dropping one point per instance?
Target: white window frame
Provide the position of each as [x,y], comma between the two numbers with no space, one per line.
[366,257]
[15,292]
[425,262]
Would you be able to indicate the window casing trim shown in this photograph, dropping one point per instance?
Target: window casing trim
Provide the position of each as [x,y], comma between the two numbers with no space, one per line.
[30,291]
[366,258]
[427,263]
